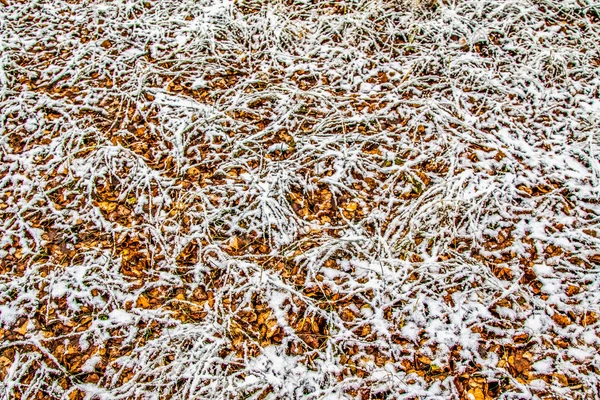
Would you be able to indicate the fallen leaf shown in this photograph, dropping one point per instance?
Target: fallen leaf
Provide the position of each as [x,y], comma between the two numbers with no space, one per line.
[22,330]
[4,362]
[143,302]
[562,379]
[476,394]
[271,328]
[590,318]
[520,337]
[235,243]
[561,319]
[352,206]
[572,290]
[107,206]
[262,317]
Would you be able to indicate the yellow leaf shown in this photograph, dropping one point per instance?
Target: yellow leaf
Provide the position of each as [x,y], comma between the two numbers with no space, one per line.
[271,328]
[193,172]
[4,362]
[271,323]
[107,206]
[22,330]
[143,302]
[352,206]
[301,324]
[234,243]
[314,326]
[476,394]
[262,317]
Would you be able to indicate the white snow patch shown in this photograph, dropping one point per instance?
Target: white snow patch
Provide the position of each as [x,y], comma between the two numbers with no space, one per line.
[544,366]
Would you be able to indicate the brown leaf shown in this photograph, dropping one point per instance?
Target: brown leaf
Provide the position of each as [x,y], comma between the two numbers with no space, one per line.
[364,330]
[590,318]
[520,337]
[423,359]
[563,344]
[525,189]
[314,324]
[572,290]
[123,211]
[347,315]
[248,316]
[521,365]
[304,322]
[562,379]
[561,319]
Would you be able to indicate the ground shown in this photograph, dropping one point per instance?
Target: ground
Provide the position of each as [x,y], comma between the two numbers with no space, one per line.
[358,199]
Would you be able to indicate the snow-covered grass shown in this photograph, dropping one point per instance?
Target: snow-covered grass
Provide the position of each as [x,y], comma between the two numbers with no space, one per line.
[321,200]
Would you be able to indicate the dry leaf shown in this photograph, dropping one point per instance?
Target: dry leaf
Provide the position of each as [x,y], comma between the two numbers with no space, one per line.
[4,362]
[271,328]
[107,206]
[562,379]
[590,318]
[572,290]
[143,302]
[314,325]
[520,337]
[595,258]
[424,359]
[561,319]
[352,206]
[235,243]
[476,394]
[521,365]
[22,330]
[262,317]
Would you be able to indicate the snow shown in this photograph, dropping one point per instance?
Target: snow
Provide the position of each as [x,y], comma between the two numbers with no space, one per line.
[580,354]
[90,364]
[544,366]
[8,315]
[120,317]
